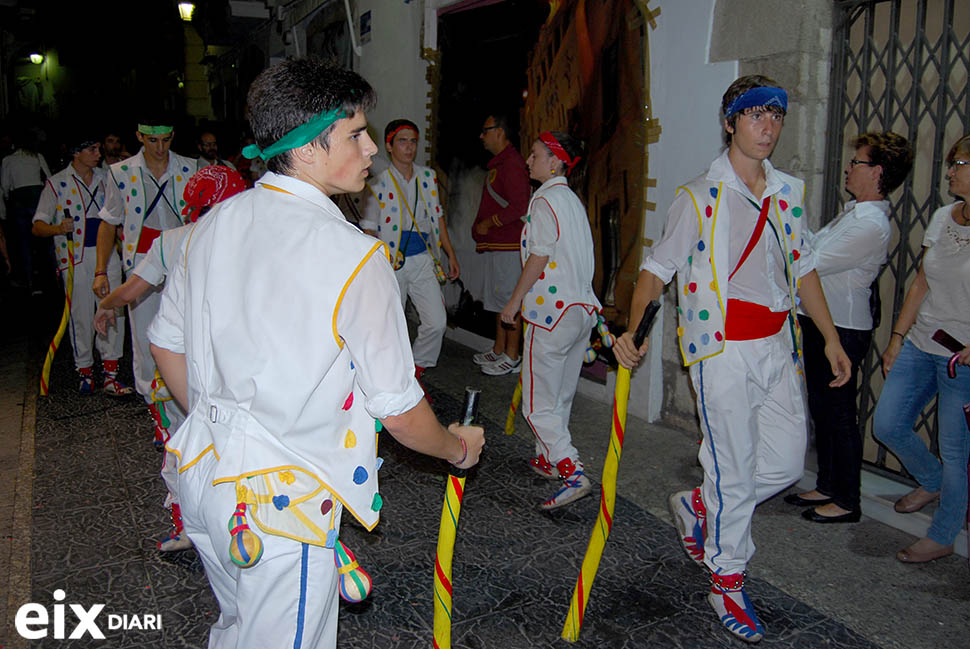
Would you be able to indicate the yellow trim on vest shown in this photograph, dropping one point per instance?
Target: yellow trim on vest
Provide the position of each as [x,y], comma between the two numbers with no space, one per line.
[189,465]
[340,297]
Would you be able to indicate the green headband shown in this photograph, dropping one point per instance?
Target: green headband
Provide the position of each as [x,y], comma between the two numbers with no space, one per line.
[297,137]
[154,130]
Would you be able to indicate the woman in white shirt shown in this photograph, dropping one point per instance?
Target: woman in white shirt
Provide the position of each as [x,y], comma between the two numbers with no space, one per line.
[849,252]
[916,370]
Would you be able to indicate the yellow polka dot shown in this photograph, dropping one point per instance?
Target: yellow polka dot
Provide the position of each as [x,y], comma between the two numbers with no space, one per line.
[382,205]
[552,265]
[350,440]
[434,193]
[178,179]
[60,207]
[134,179]
[540,300]
[713,285]
[130,247]
[685,290]
[680,331]
[74,191]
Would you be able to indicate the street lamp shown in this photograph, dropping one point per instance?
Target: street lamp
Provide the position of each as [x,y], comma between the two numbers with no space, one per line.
[36,58]
[185,10]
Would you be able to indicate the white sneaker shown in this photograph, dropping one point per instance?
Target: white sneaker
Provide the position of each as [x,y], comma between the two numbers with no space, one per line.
[574,486]
[486,357]
[504,365]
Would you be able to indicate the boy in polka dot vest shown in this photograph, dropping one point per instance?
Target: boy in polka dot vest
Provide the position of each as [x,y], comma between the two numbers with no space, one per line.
[69,204]
[143,198]
[734,239]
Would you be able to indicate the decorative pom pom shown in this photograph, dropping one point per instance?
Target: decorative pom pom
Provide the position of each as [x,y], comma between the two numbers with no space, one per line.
[245,548]
[590,354]
[608,340]
[355,583]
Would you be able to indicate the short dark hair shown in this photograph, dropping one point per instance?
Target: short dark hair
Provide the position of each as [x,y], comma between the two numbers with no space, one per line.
[740,86]
[573,145]
[503,121]
[153,117]
[288,94]
[395,124]
[960,147]
[890,151]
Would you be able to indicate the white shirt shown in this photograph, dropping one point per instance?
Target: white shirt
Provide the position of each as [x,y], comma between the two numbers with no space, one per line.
[946,264]
[22,169]
[849,251]
[295,340]
[161,258]
[682,232]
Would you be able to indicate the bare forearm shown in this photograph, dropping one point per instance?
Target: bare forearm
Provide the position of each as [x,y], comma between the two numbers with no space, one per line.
[815,306]
[125,294]
[172,367]
[419,430]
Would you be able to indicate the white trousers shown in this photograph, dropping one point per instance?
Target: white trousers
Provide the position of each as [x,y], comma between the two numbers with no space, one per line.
[141,313]
[752,412]
[551,362]
[84,304]
[288,599]
[416,280]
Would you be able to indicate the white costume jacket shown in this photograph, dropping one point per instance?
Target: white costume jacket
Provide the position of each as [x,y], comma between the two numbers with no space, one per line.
[65,190]
[395,216]
[284,390]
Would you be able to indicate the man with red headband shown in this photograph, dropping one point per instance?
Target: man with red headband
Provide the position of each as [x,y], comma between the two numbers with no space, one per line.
[555,296]
[143,199]
[734,239]
[70,204]
[401,208]
[209,186]
[497,230]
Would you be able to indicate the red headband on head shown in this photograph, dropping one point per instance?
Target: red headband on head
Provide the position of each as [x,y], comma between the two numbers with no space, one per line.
[390,136]
[209,186]
[550,141]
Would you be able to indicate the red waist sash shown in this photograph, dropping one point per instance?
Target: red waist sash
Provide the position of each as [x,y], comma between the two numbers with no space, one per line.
[750,321]
[145,239]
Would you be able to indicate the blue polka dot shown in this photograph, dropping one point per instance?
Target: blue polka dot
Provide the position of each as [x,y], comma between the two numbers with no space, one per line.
[185,169]
[786,189]
[380,196]
[548,319]
[121,185]
[700,245]
[77,218]
[533,314]
[360,475]
[137,210]
[425,185]
[692,348]
[63,184]
[705,339]
[128,262]
[351,365]
[690,315]
[787,229]
[131,227]
[713,192]
[393,209]
[281,502]
[391,244]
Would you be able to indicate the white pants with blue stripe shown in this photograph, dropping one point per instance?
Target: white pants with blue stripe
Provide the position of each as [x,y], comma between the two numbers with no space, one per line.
[752,412]
[288,599]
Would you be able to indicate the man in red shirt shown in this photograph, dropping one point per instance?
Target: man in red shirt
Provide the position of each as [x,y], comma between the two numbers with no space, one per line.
[497,229]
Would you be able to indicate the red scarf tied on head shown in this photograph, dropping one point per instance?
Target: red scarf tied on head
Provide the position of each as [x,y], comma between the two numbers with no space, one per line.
[209,186]
[550,141]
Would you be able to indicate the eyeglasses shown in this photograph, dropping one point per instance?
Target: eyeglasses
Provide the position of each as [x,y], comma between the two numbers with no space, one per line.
[486,129]
[869,163]
[957,163]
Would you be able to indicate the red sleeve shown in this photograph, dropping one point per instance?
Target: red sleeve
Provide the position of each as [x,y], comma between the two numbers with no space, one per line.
[512,184]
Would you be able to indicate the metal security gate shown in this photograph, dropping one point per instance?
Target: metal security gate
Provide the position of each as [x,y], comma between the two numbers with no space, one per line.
[898,65]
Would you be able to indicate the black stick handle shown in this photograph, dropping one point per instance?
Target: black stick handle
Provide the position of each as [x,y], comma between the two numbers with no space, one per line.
[948,341]
[646,322]
[469,413]
[69,218]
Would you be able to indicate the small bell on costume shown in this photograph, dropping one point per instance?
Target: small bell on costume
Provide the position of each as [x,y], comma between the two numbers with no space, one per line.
[245,548]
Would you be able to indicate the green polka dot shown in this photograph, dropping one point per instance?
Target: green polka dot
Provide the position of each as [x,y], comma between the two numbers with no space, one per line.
[394,229]
[690,260]
[703,314]
[181,202]
[791,258]
[796,212]
[552,289]
[427,173]
[377,503]
[124,167]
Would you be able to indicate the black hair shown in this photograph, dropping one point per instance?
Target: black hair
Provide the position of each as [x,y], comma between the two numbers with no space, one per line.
[737,88]
[395,124]
[289,94]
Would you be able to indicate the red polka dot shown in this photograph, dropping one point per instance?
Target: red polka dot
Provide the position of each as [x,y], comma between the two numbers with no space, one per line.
[692,287]
[68,201]
[542,276]
[717,336]
[390,196]
[79,231]
[349,402]
[388,220]
[709,211]
[559,304]
[63,260]
[795,254]
[783,205]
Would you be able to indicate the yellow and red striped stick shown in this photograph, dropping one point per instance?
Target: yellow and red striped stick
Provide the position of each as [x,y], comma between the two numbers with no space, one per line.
[446,537]
[604,521]
[45,374]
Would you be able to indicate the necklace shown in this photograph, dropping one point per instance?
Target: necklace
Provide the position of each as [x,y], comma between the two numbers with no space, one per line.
[961,218]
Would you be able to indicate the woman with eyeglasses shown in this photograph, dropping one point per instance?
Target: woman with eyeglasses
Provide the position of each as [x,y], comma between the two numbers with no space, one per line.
[915,367]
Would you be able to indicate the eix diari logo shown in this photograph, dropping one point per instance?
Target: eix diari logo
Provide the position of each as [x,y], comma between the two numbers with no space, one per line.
[33,621]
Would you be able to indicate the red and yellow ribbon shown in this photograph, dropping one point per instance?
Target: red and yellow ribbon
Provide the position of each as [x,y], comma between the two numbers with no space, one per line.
[45,374]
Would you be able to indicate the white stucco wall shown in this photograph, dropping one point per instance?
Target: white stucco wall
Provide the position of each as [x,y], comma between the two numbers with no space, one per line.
[392,63]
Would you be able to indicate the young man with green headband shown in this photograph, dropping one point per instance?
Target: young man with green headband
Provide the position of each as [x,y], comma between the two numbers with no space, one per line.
[282,333]
[143,198]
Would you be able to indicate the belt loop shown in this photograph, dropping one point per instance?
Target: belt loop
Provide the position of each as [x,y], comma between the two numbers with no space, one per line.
[213,413]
